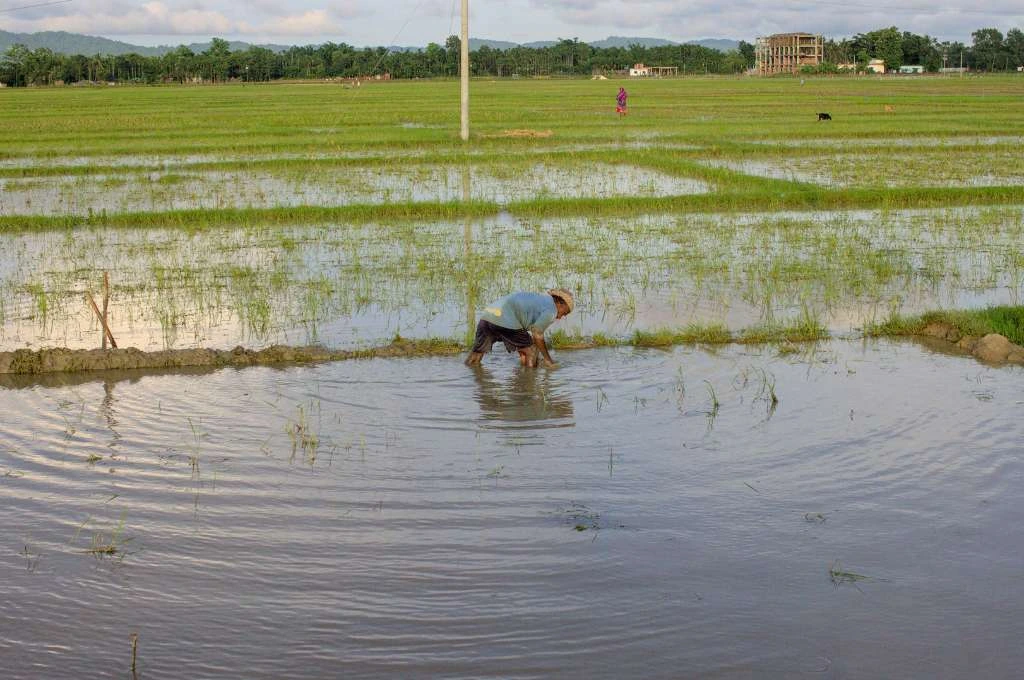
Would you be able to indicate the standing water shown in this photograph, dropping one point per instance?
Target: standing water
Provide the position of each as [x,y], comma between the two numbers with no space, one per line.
[850,511]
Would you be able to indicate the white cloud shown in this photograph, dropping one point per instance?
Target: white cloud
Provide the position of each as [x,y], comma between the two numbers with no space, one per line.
[374,22]
[312,22]
[149,18]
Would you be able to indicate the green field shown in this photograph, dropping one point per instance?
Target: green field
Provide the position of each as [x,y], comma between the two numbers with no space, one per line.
[262,212]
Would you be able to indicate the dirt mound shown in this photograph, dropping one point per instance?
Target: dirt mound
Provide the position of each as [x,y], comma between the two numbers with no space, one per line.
[992,348]
[523,133]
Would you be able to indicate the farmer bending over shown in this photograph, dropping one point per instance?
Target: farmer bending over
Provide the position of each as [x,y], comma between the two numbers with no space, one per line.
[519,320]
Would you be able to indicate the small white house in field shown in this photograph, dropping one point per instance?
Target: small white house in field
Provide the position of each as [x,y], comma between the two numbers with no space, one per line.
[639,71]
[911,69]
[876,66]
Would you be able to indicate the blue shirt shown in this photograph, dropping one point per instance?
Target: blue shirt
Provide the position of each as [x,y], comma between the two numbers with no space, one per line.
[522,311]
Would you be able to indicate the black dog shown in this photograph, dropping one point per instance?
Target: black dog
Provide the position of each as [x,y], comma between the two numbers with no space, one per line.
[824,116]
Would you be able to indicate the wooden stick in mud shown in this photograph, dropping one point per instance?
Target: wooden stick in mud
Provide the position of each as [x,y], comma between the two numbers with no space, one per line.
[103,322]
[106,302]
[134,637]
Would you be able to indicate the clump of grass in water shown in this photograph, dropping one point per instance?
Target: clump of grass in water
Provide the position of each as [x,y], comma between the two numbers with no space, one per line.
[711,334]
[112,545]
[581,517]
[767,391]
[302,436]
[1005,320]
[805,329]
[840,576]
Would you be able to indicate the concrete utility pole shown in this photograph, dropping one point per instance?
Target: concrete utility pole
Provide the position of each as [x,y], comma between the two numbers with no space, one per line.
[464,70]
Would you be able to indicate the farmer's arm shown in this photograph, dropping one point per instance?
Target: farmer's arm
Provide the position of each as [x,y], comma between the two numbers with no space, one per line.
[538,341]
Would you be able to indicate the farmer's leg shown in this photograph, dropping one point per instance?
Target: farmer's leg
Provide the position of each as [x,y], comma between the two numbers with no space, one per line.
[528,357]
[481,343]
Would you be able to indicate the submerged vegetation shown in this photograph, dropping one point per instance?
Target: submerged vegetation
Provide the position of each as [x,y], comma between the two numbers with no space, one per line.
[302,214]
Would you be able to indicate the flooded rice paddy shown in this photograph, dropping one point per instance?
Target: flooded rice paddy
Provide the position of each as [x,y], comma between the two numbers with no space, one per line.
[422,519]
[361,284]
[998,168]
[161,191]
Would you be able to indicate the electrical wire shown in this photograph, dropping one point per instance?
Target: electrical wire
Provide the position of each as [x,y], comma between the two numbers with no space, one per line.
[394,40]
[38,4]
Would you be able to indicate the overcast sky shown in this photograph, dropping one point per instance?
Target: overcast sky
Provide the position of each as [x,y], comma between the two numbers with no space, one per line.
[417,22]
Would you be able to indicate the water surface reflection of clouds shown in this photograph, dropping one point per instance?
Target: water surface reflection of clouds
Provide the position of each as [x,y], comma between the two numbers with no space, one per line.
[545,520]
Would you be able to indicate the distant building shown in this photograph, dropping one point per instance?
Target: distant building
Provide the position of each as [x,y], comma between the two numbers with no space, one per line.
[641,71]
[876,66]
[911,69]
[788,52]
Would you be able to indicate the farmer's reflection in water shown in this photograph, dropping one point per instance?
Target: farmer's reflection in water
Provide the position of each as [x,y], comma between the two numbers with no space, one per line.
[525,395]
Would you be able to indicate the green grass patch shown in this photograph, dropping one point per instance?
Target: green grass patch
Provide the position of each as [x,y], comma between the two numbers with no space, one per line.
[1004,320]
[693,334]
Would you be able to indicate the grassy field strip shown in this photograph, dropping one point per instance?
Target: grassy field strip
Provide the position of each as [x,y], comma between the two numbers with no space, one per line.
[798,197]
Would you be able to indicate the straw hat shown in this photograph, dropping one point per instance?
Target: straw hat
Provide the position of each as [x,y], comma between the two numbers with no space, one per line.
[565,295]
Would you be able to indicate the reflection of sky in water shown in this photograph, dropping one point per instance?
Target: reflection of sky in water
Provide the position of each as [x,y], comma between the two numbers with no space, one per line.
[363,284]
[450,525]
[887,142]
[894,171]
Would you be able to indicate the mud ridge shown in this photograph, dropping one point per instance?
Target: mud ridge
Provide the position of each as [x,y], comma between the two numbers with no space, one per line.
[992,348]
[61,360]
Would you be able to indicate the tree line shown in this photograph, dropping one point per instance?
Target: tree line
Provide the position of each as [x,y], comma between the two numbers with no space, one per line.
[990,50]
[20,66]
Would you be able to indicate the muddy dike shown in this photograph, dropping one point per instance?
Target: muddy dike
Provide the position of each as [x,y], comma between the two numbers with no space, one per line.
[61,360]
[992,348]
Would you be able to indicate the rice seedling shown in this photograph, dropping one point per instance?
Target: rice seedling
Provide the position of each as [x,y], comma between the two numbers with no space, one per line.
[580,517]
[767,390]
[110,545]
[42,302]
[715,404]
[304,437]
[840,576]
[197,441]
[31,558]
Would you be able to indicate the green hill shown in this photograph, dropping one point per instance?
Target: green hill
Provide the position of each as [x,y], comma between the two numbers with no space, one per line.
[76,43]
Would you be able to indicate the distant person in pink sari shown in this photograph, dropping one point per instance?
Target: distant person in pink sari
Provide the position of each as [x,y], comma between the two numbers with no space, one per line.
[620,107]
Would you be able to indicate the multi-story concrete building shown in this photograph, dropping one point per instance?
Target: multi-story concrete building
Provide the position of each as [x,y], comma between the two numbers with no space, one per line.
[788,52]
